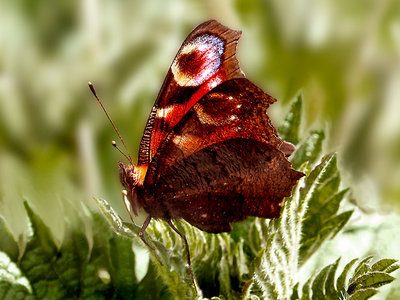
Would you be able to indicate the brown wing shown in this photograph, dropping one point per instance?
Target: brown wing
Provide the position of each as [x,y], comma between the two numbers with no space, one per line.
[226,182]
[205,60]
[235,109]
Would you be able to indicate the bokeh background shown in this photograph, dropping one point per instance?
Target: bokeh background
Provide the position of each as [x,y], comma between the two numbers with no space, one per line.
[55,150]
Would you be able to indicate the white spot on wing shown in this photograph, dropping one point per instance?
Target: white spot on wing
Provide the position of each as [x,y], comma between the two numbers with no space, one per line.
[164,112]
[177,139]
[209,49]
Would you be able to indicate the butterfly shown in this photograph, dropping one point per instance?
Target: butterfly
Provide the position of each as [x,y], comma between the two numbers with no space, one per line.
[209,154]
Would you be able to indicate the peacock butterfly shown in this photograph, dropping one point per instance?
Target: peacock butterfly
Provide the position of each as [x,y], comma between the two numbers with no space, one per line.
[209,153]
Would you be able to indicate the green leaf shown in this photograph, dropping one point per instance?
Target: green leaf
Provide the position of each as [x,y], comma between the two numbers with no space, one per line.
[69,262]
[170,263]
[289,130]
[123,267]
[342,279]
[101,268]
[363,266]
[360,287]
[295,293]
[330,288]
[115,221]
[385,265]
[318,284]
[323,199]
[37,261]
[307,220]
[13,285]
[224,276]
[7,241]
[306,290]
[363,294]
[370,279]
[308,150]
[97,268]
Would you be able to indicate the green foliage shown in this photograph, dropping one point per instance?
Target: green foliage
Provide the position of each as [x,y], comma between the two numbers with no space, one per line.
[7,241]
[308,218]
[98,268]
[13,285]
[361,285]
[259,259]
[290,128]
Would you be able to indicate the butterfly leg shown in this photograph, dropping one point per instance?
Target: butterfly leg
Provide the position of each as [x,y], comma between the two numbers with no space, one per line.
[188,256]
[145,224]
[141,235]
[143,229]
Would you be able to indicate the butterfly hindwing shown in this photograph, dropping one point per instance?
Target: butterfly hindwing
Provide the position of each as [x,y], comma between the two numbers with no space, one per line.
[226,182]
[205,60]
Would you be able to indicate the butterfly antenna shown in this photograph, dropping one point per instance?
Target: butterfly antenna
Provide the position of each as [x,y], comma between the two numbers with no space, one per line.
[116,147]
[112,123]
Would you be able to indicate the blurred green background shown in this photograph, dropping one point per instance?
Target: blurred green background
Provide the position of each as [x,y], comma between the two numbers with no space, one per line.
[55,150]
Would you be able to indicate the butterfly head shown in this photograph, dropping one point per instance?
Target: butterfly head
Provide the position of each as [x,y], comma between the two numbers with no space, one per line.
[130,178]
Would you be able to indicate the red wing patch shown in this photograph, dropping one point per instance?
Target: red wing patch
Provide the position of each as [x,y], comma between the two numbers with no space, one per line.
[205,60]
[235,109]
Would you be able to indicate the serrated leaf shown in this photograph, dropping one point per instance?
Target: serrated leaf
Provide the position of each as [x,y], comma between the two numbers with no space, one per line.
[321,220]
[341,281]
[240,262]
[306,290]
[173,269]
[37,261]
[335,224]
[7,241]
[371,279]
[68,264]
[224,278]
[13,285]
[41,233]
[123,267]
[308,150]
[323,285]
[97,268]
[330,289]
[392,268]
[295,293]
[79,269]
[363,267]
[363,294]
[318,284]
[151,287]
[318,175]
[308,219]
[383,265]
[114,220]
[289,130]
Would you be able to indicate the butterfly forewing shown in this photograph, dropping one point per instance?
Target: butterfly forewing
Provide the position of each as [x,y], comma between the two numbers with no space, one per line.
[205,60]
[236,108]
